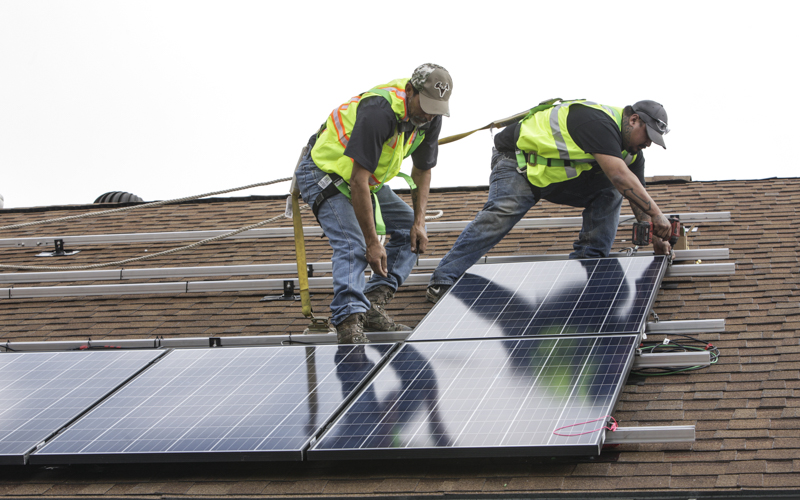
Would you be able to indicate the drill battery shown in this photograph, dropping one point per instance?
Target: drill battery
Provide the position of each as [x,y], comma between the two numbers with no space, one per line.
[643,232]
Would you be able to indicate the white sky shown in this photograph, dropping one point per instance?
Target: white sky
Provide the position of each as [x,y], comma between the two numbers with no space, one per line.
[166,99]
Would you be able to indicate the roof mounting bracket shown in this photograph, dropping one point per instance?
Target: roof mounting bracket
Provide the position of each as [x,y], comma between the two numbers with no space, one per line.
[59,250]
[288,293]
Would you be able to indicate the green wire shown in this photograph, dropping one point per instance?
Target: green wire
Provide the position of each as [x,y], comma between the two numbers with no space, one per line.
[714,357]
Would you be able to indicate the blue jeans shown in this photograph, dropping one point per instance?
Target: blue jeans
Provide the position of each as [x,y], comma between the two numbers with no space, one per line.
[511,195]
[338,220]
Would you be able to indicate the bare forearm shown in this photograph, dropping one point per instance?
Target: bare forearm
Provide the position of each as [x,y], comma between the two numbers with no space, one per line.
[361,198]
[636,195]
[639,214]
[628,184]
[419,196]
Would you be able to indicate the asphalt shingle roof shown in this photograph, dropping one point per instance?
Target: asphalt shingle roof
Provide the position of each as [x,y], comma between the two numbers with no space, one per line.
[745,408]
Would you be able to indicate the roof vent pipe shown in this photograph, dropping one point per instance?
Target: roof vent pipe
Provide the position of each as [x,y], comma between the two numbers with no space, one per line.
[118,197]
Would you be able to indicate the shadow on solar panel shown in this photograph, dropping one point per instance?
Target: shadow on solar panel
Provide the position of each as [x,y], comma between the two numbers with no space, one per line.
[605,296]
[485,398]
[219,404]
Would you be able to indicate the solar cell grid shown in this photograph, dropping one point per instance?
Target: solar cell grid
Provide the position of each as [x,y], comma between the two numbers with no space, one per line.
[42,392]
[484,398]
[261,403]
[546,298]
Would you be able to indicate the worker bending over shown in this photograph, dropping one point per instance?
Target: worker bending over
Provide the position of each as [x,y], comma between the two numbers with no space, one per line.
[575,153]
[360,147]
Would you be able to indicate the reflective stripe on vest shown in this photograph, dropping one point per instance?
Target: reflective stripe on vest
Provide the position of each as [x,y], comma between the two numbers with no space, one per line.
[328,152]
[555,127]
[333,138]
[336,117]
[548,151]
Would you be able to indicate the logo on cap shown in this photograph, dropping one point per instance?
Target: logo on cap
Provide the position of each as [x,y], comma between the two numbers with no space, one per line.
[442,87]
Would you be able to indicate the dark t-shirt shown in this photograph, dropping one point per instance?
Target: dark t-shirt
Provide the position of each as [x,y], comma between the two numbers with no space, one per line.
[591,129]
[375,124]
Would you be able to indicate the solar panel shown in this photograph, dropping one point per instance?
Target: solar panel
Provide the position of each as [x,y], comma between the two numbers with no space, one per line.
[608,296]
[43,391]
[485,398]
[262,403]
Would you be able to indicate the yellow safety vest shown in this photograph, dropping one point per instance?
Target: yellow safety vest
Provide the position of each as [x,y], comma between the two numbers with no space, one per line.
[328,152]
[546,149]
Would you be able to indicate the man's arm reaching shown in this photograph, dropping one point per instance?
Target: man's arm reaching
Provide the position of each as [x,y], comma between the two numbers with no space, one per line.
[361,198]
[419,200]
[628,184]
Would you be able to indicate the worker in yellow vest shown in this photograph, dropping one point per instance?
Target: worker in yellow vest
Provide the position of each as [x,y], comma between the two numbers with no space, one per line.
[359,148]
[575,153]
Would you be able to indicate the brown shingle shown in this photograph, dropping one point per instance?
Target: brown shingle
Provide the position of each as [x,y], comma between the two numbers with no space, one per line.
[745,407]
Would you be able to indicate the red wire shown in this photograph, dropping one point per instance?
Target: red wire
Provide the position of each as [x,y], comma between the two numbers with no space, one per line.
[612,428]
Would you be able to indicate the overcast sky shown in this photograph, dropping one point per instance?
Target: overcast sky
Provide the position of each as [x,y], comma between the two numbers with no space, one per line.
[166,99]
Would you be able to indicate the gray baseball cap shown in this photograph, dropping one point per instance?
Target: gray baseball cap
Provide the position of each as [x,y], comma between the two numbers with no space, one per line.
[434,85]
[654,116]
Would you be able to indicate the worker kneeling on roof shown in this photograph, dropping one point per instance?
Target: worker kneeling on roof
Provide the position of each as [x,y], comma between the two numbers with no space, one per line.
[359,148]
[575,153]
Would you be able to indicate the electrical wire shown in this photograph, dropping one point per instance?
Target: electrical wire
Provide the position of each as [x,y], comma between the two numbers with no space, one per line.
[691,344]
[89,347]
[611,428]
[7,349]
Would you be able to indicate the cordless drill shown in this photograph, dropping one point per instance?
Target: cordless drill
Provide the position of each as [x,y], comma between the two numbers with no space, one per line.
[643,232]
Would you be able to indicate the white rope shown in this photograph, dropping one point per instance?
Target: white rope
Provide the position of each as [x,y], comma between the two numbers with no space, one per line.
[146,205]
[150,256]
[438,213]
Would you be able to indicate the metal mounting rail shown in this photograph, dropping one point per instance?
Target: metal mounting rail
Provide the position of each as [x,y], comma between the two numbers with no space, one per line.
[686,326]
[701,270]
[291,269]
[212,286]
[672,359]
[287,232]
[192,342]
[663,434]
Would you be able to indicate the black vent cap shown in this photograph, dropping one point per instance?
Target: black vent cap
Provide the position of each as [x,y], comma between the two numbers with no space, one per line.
[118,197]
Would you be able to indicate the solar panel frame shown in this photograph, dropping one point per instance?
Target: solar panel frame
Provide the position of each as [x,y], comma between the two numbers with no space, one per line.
[43,392]
[565,297]
[466,403]
[139,437]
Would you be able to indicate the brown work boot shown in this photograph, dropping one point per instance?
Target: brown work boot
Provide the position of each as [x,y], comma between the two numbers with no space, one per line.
[351,330]
[377,319]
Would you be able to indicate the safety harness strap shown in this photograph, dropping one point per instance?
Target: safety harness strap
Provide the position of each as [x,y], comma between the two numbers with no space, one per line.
[333,184]
[535,159]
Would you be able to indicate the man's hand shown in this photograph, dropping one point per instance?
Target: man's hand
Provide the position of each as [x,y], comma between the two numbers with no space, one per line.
[376,258]
[419,238]
[362,205]
[661,247]
[661,227]
[419,200]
